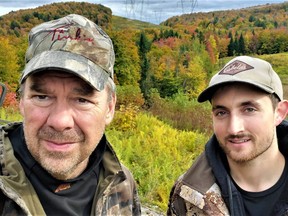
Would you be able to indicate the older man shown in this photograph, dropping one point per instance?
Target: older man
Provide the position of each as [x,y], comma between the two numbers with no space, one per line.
[58,161]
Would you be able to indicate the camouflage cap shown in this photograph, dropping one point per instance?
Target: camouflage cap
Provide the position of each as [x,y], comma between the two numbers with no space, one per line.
[72,44]
[245,69]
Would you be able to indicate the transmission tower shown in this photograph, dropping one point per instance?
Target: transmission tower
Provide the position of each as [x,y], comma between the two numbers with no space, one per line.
[130,10]
[140,7]
[187,5]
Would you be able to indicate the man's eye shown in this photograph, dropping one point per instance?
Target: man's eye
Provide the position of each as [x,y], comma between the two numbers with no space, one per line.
[41,97]
[250,109]
[220,113]
[41,100]
[84,103]
[83,100]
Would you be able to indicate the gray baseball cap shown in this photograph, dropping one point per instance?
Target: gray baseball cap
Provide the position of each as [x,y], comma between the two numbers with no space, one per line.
[72,44]
[245,69]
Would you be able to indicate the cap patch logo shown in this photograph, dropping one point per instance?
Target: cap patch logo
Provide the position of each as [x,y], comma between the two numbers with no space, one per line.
[236,67]
[61,33]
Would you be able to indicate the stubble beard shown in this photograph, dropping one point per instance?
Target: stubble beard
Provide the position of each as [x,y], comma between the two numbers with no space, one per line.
[255,153]
[59,164]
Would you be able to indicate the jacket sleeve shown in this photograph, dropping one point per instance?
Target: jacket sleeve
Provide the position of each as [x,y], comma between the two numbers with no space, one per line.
[176,205]
[119,196]
[196,192]
[9,207]
[136,207]
[179,206]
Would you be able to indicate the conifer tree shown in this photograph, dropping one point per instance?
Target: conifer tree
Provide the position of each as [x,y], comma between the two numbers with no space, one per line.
[145,80]
[231,47]
[241,45]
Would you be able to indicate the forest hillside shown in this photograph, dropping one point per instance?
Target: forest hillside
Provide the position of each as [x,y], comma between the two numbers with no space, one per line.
[179,55]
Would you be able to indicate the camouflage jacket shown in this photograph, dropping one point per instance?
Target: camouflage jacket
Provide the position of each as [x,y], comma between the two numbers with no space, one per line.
[116,193]
[207,189]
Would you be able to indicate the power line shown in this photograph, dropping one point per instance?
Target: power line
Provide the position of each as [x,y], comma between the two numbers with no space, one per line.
[148,10]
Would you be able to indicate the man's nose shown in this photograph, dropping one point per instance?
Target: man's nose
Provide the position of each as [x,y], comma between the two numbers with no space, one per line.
[61,117]
[236,124]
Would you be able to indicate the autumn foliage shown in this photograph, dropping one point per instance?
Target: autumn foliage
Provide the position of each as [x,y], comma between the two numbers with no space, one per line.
[159,128]
[177,56]
[11,100]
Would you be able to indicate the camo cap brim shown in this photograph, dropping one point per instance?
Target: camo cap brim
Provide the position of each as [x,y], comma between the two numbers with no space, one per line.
[72,44]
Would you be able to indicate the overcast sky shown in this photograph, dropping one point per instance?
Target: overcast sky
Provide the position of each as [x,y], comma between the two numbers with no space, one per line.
[154,11]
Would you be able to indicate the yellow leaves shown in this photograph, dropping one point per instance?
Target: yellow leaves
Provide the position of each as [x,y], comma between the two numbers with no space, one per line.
[161,59]
[9,114]
[127,62]
[194,76]
[124,119]
[8,62]
[156,153]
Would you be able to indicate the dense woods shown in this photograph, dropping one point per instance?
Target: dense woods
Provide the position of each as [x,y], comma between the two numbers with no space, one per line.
[255,30]
[159,70]
[179,55]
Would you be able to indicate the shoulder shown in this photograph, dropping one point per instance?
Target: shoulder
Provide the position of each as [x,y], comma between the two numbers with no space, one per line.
[282,136]
[128,175]
[196,192]
[200,175]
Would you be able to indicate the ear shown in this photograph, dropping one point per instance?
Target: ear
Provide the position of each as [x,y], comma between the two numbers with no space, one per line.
[281,112]
[111,109]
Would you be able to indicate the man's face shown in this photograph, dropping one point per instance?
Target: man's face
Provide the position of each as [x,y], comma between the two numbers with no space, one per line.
[64,120]
[244,122]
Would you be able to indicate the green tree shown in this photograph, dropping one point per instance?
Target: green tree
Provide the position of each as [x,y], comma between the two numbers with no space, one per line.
[127,61]
[168,86]
[231,45]
[241,44]
[145,82]
[252,18]
[14,24]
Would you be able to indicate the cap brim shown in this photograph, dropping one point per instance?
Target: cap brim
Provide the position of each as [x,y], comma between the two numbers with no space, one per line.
[68,62]
[208,93]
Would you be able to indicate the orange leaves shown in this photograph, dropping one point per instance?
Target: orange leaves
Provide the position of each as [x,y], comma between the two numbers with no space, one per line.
[212,50]
[10,98]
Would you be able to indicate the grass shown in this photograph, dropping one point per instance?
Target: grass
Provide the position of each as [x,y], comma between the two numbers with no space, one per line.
[157,154]
[184,114]
[120,23]
[9,115]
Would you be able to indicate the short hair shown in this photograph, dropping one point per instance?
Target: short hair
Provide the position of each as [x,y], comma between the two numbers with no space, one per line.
[274,99]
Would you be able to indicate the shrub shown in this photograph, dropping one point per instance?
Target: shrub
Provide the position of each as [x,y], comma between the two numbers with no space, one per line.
[129,95]
[124,118]
[9,114]
[183,113]
[10,101]
[156,154]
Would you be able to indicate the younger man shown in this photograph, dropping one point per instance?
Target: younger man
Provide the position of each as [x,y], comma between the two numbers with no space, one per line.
[243,170]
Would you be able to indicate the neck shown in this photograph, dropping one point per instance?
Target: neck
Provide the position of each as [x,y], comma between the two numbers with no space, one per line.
[259,174]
